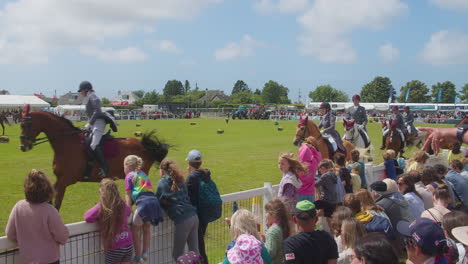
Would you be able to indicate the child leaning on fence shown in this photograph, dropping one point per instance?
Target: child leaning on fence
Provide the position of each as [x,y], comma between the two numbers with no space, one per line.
[290,182]
[34,224]
[112,214]
[148,211]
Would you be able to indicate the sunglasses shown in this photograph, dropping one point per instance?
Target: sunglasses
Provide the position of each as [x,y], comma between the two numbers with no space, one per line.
[409,242]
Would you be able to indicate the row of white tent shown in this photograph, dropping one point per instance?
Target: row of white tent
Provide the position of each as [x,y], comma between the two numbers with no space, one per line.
[15,102]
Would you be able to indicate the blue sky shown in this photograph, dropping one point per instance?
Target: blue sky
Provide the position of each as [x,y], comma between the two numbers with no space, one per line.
[52,45]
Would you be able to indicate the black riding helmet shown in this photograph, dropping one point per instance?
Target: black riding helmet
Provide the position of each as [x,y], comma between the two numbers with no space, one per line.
[85,85]
[325,105]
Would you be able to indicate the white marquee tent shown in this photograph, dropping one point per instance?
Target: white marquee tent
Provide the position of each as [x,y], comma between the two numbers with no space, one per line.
[14,102]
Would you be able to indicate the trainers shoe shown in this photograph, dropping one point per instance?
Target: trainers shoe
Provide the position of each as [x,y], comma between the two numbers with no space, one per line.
[144,255]
[138,260]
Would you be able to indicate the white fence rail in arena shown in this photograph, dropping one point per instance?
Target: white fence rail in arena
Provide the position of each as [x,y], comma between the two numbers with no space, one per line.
[83,246]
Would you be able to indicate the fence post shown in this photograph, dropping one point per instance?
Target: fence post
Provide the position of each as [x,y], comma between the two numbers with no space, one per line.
[268,196]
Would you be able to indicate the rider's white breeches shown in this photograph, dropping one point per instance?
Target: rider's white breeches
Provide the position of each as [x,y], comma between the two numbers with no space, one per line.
[97,129]
[399,132]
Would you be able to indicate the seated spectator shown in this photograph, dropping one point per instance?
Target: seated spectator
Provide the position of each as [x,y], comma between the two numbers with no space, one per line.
[351,231]
[243,223]
[451,221]
[34,224]
[441,172]
[310,245]
[441,199]
[406,187]
[430,178]
[277,219]
[425,193]
[458,181]
[341,213]
[368,203]
[425,242]
[390,170]
[359,166]
[395,206]
[461,234]
[355,179]
[374,248]
[417,161]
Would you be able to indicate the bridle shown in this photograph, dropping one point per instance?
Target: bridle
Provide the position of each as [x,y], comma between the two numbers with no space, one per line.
[353,134]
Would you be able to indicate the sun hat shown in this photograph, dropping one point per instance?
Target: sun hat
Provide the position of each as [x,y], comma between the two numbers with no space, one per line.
[194,155]
[461,234]
[189,258]
[428,235]
[392,186]
[247,250]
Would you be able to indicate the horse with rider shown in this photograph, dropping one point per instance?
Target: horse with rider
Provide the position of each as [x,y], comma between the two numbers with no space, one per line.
[356,114]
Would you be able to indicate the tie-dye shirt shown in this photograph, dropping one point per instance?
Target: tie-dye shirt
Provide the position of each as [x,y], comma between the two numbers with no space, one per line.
[141,183]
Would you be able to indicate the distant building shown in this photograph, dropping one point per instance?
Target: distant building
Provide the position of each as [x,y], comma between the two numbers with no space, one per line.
[214,95]
[125,98]
[4,92]
[70,99]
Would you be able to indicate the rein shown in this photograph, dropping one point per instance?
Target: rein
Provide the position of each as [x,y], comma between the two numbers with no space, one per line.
[38,141]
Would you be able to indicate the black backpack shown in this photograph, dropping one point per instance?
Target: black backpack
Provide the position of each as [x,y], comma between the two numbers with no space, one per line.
[210,204]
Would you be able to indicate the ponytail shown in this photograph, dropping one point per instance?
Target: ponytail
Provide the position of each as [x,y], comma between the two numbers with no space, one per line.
[170,167]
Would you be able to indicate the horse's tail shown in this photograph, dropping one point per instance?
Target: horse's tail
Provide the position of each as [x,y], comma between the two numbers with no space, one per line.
[157,148]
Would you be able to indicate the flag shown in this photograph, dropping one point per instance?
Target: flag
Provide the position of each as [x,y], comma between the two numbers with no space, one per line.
[390,94]
[439,95]
[407,94]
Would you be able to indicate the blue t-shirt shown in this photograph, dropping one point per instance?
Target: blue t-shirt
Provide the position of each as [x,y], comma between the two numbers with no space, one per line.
[390,169]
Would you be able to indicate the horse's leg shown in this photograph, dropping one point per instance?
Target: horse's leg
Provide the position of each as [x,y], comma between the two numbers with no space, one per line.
[59,193]
[3,128]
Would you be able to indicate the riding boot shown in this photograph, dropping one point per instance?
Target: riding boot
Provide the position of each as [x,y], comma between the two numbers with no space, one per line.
[89,165]
[100,158]
[402,148]
[383,143]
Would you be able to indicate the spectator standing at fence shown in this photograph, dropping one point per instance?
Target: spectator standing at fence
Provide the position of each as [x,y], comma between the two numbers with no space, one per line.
[290,182]
[244,224]
[34,224]
[359,165]
[277,220]
[148,211]
[308,155]
[390,170]
[112,214]
[199,180]
[173,195]
[310,245]
[417,161]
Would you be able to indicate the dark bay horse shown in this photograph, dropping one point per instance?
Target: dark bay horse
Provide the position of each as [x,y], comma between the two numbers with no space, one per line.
[3,119]
[69,153]
[307,128]
[393,140]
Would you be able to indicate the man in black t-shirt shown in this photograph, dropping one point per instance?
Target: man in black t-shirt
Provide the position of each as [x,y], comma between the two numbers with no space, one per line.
[309,246]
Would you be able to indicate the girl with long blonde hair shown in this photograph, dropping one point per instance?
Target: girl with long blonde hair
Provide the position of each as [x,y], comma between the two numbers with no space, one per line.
[173,194]
[148,212]
[351,231]
[112,213]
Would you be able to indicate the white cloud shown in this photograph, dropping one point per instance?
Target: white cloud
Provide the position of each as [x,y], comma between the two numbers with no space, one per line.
[451,4]
[446,48]
[282,6]
[34,29]
[130,54]
[167,46]
[388,53]
[235,50]
[328,24]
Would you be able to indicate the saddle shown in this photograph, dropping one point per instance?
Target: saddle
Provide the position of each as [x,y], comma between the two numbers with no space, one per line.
[108,143]
[332,146]
[365,137]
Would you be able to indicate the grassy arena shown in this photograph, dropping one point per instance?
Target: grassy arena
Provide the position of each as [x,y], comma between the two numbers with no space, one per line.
[244,157]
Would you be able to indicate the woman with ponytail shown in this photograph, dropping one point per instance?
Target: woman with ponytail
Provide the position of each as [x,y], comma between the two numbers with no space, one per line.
[173,195]
[139,191]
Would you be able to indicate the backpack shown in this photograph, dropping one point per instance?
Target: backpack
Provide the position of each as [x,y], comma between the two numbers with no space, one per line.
[380,224]
[209,201]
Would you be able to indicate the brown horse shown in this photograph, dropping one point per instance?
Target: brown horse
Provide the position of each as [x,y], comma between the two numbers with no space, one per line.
[393,140]
[3,119]
[69,153]
[307,128]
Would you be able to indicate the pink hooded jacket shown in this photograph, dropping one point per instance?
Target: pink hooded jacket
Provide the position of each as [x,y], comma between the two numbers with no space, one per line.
[310,156]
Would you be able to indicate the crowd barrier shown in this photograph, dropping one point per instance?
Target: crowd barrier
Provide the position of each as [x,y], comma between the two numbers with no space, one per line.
[83,246]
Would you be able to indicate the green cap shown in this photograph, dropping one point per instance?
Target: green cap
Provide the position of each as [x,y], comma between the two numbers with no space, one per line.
[305,205]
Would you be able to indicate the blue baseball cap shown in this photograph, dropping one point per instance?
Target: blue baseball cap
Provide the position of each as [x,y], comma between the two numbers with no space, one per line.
[194,155]
[428,235]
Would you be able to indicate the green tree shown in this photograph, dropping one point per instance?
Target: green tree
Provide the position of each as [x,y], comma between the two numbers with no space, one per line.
[326,93]
[105,101]
[419,93]
[186,86]
[172,88]
[275,93]
[243,97]
[240,86]
[377,90]
[139,93]
[149,98]
[448,92]
[464,94]
[258,92]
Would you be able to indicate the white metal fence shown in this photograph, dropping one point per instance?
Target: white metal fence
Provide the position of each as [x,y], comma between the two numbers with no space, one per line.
[83,246]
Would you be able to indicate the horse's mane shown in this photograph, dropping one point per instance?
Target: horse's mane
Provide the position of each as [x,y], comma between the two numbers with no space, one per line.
[62,119]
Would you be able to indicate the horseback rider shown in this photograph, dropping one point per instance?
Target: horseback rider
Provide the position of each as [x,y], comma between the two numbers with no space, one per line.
[396,119]
[358,113]
[97,121]
[328,124]
[409,120]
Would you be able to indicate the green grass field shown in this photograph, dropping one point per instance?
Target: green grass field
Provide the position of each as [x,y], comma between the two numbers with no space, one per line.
[242,158]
